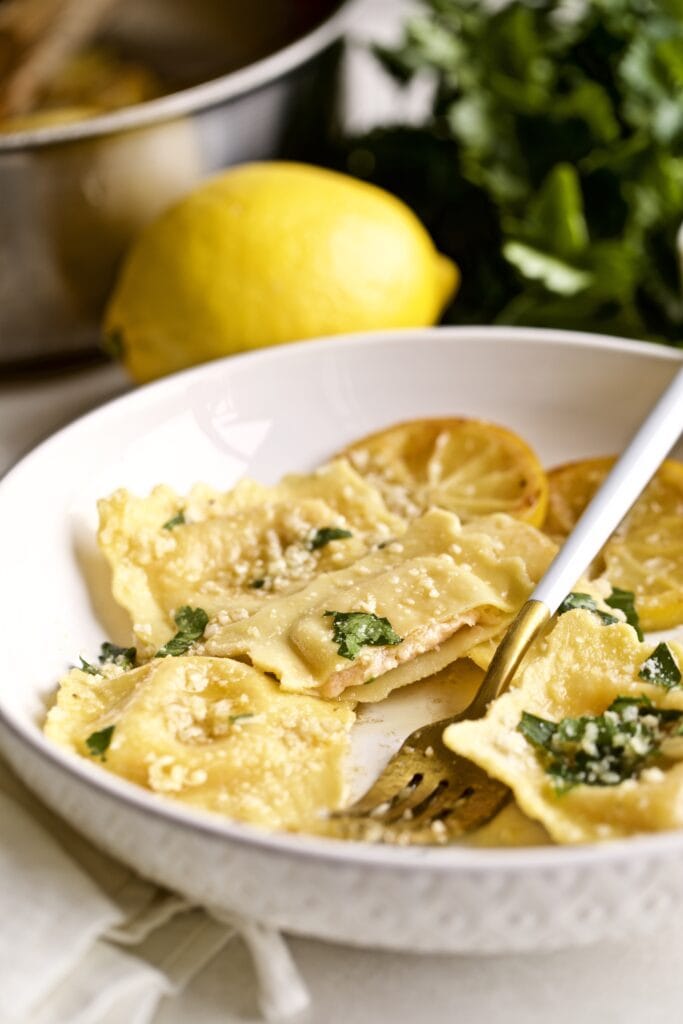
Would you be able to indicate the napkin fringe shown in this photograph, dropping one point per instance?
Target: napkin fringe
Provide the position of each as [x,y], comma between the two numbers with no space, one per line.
[282,992]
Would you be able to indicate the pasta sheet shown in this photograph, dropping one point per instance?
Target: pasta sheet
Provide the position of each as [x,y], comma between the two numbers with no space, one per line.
[438,579]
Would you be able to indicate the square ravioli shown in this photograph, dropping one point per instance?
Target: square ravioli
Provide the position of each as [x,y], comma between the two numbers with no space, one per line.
[588,736]
[229,552]
[410,597]
[212,733]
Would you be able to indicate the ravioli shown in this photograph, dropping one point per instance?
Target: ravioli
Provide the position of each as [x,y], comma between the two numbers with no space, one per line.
[579,668]
[212,733]
[229,552]
[438,660]
[438,579]
[482,654]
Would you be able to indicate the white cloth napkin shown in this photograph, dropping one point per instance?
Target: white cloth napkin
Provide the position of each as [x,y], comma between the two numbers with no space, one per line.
[84,940]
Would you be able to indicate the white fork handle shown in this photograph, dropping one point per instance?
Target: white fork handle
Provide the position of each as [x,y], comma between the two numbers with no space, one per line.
[629,477]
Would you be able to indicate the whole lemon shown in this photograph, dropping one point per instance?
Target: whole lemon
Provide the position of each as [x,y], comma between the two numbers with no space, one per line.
[268,253]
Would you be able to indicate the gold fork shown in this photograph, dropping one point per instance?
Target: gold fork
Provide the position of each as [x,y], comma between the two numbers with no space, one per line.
[427,794]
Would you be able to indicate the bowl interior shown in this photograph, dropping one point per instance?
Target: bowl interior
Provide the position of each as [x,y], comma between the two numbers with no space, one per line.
[280,410]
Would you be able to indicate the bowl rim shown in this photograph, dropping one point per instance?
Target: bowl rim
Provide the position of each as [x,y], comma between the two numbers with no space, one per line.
[335,851]
[207,94]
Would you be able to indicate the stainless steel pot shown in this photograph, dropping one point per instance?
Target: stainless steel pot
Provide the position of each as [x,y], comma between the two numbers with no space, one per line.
[72,197]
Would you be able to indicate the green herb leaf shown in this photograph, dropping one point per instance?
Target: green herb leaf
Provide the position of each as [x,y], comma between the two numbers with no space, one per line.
[601,750]
[325,534]
[124,657]
[558,214]
[239,718]
[573,601]
[354,630]
[585,601]
[624,601]
[538,731]
[661,668]
[554,274]
[177,520]
[98,742]
[641,701]
[191,623]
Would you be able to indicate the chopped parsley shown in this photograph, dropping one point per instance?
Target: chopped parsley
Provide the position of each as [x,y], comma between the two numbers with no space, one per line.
[98,742]
[112,654]
[239,718]
[191,623]
[601,750]
[176,520]
[353,630]
[257,584]
[322,537]
[625,601]
[585,601]
[661,668]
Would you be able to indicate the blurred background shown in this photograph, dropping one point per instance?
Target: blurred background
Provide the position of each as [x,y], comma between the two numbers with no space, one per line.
[539,142]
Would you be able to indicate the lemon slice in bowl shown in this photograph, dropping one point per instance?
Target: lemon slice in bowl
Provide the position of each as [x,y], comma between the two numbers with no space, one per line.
[645,554]
[571,487]
[468,466]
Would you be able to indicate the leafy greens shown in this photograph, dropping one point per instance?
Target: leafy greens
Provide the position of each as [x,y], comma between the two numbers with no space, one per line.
[552,168]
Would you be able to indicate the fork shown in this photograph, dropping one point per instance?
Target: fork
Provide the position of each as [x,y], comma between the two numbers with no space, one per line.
[427,794]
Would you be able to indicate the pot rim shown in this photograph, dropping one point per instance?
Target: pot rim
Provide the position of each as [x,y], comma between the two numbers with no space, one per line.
[196,98]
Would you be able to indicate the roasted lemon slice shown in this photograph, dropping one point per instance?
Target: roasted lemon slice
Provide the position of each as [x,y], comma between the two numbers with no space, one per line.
[571,487]
[645,554]
[470,467]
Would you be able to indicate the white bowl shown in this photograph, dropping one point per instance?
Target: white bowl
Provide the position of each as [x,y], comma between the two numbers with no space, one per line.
[287,408]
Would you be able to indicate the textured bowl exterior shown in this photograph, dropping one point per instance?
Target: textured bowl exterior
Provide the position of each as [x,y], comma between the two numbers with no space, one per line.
[524,905]
[444,900]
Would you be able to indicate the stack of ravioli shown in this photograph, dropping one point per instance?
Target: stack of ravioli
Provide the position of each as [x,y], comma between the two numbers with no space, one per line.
[262,616]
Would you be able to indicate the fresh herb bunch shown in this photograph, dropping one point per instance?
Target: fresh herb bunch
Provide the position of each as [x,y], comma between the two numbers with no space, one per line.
[552,169]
